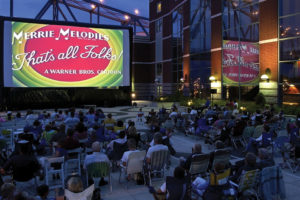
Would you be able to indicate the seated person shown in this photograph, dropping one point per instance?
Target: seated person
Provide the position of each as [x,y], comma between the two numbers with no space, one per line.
[42,192]
[70,142]
[263,141]
[36,129]
[219,145]
[186,164]
[96,156]
[174,186]
[80,131]
[109,122]
[60,134]
[266,159]
[140,114]
[249,165]
[219,187]
[119,127]
[121,140]
[47,135]
[132,148]
[75,190]
[7,191]
[71,121]
[158,139]
[173,113]
[24,168]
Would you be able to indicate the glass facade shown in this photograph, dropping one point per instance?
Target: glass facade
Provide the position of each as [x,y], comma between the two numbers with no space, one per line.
[240,59]
[200,44]
[289,45]
[177,44]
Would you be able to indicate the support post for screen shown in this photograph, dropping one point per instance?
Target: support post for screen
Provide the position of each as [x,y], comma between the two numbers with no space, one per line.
[11,13]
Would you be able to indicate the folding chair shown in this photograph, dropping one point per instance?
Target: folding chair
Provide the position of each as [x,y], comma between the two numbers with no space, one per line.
[248,184]
[240,139]
[159,161]
[74,160]
[54,166]
[84,195]
[271,185]
[134,164]
[258,131]
[199,164]
[248,132]
[97,171]
[221,155]
[118,152]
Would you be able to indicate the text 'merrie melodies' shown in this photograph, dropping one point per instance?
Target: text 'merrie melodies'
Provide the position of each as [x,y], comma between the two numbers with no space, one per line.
[62,33]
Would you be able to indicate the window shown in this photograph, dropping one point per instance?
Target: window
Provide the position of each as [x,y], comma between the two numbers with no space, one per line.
[158,25]
[158,7]
[159,69]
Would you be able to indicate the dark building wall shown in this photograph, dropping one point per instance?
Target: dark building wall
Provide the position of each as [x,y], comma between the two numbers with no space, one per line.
[268,35]
[216,39]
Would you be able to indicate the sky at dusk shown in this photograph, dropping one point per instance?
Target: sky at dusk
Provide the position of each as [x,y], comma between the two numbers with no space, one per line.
[30,8]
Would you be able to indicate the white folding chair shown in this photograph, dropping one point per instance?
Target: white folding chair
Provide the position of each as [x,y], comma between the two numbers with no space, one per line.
[50,170]
[73,160]
[134,164]
[84,195]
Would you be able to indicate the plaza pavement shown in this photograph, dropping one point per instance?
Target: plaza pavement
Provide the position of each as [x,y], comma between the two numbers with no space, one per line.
[183,146]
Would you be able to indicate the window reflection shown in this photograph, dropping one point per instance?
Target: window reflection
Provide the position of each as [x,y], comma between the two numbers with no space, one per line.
[200,45]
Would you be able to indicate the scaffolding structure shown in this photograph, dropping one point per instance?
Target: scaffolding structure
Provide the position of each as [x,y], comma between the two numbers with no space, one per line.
[94,8]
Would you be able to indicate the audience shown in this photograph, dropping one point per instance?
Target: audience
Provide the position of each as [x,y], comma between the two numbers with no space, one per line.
[222,124]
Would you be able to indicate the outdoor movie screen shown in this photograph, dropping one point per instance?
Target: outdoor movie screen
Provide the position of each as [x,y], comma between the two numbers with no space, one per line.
[45,55]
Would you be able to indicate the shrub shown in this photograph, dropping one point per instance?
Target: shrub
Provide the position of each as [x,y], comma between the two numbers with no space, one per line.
[260,99]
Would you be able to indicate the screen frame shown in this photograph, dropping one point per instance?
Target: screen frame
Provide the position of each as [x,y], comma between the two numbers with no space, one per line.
[77,24]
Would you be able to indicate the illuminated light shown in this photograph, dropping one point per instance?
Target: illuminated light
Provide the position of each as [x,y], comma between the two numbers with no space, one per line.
[264,77]
[243,108]
[212,78]
[101,1]
[93,6]
[292,85]
[126,17]
[190,103]
[136,11]
[133,95]
[158,9]
[182,80]
[298,33]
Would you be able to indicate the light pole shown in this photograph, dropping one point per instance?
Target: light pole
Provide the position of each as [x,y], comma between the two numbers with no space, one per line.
[212,79]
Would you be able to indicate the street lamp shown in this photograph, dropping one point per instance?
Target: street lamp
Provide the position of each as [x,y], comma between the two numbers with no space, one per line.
[265,77]
[212,78]
[136,11]
[93,6]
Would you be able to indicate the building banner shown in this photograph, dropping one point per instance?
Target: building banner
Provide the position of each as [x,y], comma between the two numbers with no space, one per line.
[247,55]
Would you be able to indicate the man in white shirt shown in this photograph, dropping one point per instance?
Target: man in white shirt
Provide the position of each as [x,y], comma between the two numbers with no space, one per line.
[132,148]
[96,156]
[157,147]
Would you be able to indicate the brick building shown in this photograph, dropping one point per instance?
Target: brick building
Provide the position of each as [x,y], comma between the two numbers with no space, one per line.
[239,47]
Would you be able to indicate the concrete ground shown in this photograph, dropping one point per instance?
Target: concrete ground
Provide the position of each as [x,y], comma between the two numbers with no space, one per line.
[183,145]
